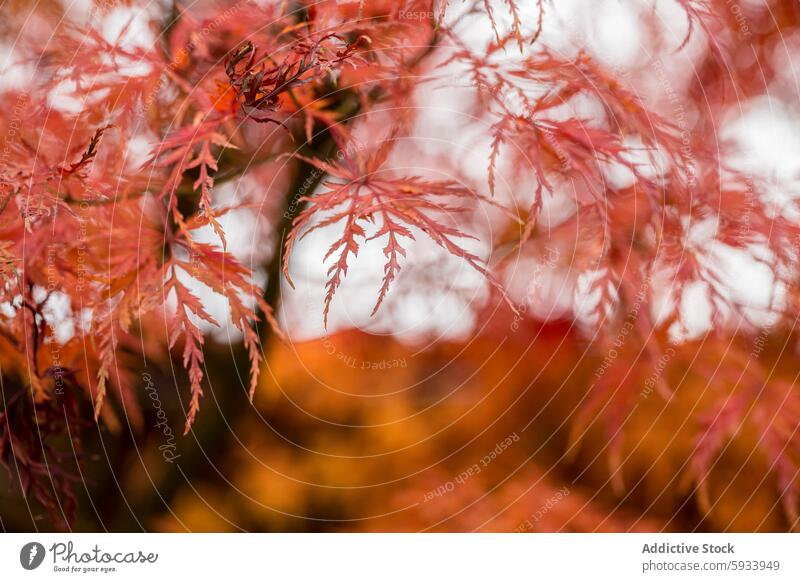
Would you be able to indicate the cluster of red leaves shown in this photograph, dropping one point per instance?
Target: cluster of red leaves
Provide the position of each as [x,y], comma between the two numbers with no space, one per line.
[362,195]
[116,244]
[120,244]
[633,236]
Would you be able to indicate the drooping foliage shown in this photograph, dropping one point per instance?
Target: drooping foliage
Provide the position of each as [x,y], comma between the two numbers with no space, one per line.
[624,170]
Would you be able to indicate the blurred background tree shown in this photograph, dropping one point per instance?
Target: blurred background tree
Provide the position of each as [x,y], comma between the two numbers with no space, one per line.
[344,265]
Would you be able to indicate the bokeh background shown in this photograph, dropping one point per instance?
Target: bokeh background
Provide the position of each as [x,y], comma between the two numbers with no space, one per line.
[446,411]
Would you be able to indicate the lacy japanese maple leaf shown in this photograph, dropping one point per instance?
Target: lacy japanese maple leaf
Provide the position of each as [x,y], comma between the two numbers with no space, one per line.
[364,194]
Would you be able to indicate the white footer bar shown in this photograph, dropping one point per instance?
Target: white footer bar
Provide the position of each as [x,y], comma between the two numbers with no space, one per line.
[400,557]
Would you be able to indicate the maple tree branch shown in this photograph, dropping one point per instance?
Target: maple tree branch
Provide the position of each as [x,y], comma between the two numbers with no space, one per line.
[308,177]
[210,432]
